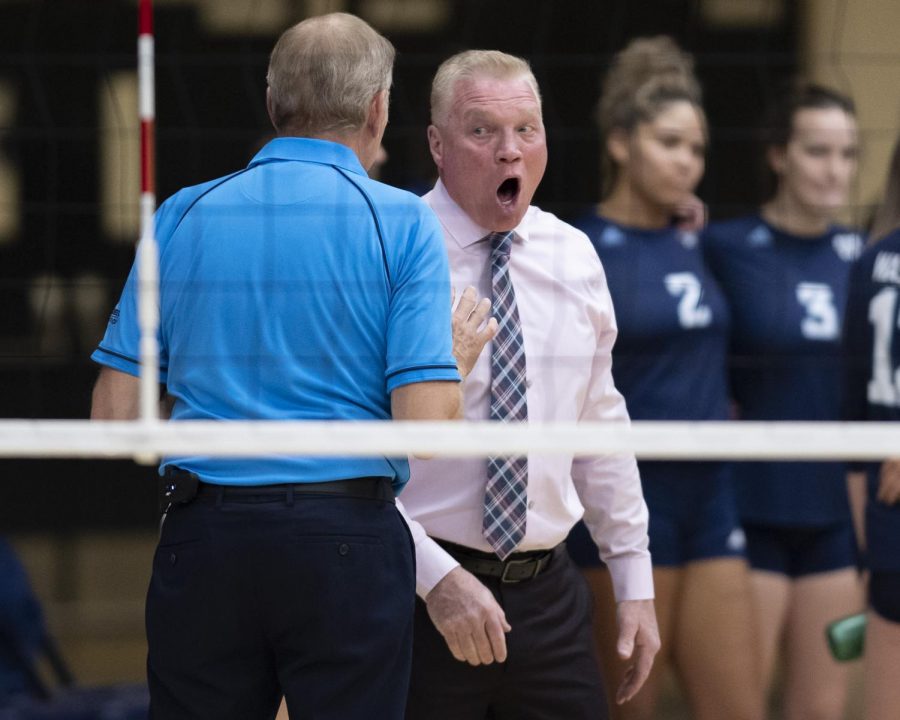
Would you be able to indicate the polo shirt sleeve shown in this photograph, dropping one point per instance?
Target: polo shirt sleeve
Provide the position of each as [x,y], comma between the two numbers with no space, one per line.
[419,339]
[120,346]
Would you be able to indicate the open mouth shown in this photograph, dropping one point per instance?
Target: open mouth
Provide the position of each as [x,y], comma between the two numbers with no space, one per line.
[508,191]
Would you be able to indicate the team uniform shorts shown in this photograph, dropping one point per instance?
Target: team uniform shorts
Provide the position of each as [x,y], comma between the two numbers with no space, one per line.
[693,516]
[800,551]
[884,594]
[883,554]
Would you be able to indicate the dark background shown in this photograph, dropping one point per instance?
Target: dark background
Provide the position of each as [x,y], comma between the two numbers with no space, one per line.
[57,54]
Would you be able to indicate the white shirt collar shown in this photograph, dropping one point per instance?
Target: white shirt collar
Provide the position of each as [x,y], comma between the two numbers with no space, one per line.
[458,225]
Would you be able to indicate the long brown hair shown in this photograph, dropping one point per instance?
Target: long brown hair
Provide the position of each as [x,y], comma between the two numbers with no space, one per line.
[887,216]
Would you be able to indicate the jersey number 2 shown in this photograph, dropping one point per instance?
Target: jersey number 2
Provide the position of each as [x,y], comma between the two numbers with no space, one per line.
[686,286]
[884,387]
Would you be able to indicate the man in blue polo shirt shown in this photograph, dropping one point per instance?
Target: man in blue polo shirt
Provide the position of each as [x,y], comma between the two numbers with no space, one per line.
[297,288]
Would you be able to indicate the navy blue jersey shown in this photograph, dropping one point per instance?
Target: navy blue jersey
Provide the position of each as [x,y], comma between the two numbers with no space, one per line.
[787,297]
[872,376]
[669,360]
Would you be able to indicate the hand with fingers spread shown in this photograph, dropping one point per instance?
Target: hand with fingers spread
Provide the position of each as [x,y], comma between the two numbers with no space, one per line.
[638,641]
[472,328]
[466,614]
[889,482]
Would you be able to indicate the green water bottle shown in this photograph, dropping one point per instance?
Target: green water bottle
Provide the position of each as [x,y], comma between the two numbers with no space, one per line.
[846,637]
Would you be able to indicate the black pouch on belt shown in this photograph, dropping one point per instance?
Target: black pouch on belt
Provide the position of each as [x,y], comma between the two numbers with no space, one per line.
[177,487]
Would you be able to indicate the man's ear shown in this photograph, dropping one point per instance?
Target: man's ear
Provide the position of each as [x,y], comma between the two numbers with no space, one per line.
[377,115]
[618,145]
[436,145]
[270,107]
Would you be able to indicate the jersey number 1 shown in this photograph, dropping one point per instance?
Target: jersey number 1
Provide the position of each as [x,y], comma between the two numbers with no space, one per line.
[884,387]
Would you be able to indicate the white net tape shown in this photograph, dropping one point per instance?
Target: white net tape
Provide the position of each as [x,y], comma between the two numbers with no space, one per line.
[146,441]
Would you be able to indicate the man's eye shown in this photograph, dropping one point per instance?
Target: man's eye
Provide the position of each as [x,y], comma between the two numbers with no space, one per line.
[479,131]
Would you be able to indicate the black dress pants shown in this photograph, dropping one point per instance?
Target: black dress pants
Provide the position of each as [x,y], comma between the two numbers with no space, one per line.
[310,596]
[551,671]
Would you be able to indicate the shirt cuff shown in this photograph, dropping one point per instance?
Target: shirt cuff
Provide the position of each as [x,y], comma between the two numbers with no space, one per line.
[632,577]
[432,564]
[427,373]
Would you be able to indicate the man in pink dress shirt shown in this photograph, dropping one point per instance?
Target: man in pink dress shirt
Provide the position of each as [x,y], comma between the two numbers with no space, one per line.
[511,637]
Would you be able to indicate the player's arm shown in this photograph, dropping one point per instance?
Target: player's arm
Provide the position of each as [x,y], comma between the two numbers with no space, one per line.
[889,482]
[856,493]
[855,368]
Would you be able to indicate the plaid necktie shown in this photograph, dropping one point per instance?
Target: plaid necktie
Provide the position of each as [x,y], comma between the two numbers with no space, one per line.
[505,496]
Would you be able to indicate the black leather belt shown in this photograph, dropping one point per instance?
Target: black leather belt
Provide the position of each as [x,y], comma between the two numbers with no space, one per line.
[370,488]
[518,567]
[179,487]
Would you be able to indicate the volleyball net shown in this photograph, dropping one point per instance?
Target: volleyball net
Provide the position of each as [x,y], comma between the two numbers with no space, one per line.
[189,77]
[147,441]
[93,134]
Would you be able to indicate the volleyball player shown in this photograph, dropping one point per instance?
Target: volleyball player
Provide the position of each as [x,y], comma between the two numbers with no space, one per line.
[872,392]
[785,270]
[670,363]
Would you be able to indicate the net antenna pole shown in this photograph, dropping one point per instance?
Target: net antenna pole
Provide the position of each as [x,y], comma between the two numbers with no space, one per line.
[148,253]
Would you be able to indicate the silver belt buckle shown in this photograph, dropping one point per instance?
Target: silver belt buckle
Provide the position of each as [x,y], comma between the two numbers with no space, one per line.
[504,578]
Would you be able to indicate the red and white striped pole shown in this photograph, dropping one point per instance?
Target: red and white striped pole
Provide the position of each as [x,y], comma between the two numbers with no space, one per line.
[148,254]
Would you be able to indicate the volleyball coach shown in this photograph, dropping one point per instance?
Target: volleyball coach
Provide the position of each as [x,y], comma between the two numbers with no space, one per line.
[504,626]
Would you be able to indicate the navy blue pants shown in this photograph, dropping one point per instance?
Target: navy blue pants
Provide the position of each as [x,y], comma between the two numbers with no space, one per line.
[551,671]
[310,597]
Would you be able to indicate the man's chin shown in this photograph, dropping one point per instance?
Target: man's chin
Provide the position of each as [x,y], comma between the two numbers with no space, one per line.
[506,217]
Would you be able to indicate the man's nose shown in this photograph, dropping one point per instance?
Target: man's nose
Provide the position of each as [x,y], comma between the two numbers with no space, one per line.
[508,147]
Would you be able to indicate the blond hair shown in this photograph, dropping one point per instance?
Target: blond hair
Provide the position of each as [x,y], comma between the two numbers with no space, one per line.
[475,63]
[645,77]
[324,72]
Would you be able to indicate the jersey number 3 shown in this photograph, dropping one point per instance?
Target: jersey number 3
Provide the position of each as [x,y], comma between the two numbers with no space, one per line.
[884,387]
[686,286]
[820,321]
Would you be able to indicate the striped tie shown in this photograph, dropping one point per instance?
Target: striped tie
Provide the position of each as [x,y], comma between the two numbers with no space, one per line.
[505,498]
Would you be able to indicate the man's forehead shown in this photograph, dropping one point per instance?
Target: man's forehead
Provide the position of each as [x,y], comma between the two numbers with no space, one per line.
[478,94]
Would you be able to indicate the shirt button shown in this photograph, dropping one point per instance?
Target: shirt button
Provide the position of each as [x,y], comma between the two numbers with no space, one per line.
[173,558]
[529,382]
[531,504]
[343,549]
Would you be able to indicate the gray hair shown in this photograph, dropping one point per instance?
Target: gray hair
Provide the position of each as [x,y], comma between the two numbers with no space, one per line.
[324,72]
[475,63]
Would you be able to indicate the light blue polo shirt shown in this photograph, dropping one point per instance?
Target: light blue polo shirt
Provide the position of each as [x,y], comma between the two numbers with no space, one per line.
[296,289]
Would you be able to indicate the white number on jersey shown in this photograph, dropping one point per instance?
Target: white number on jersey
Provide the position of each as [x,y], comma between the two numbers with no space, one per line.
[884,387]
[821,320]
[686,286]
